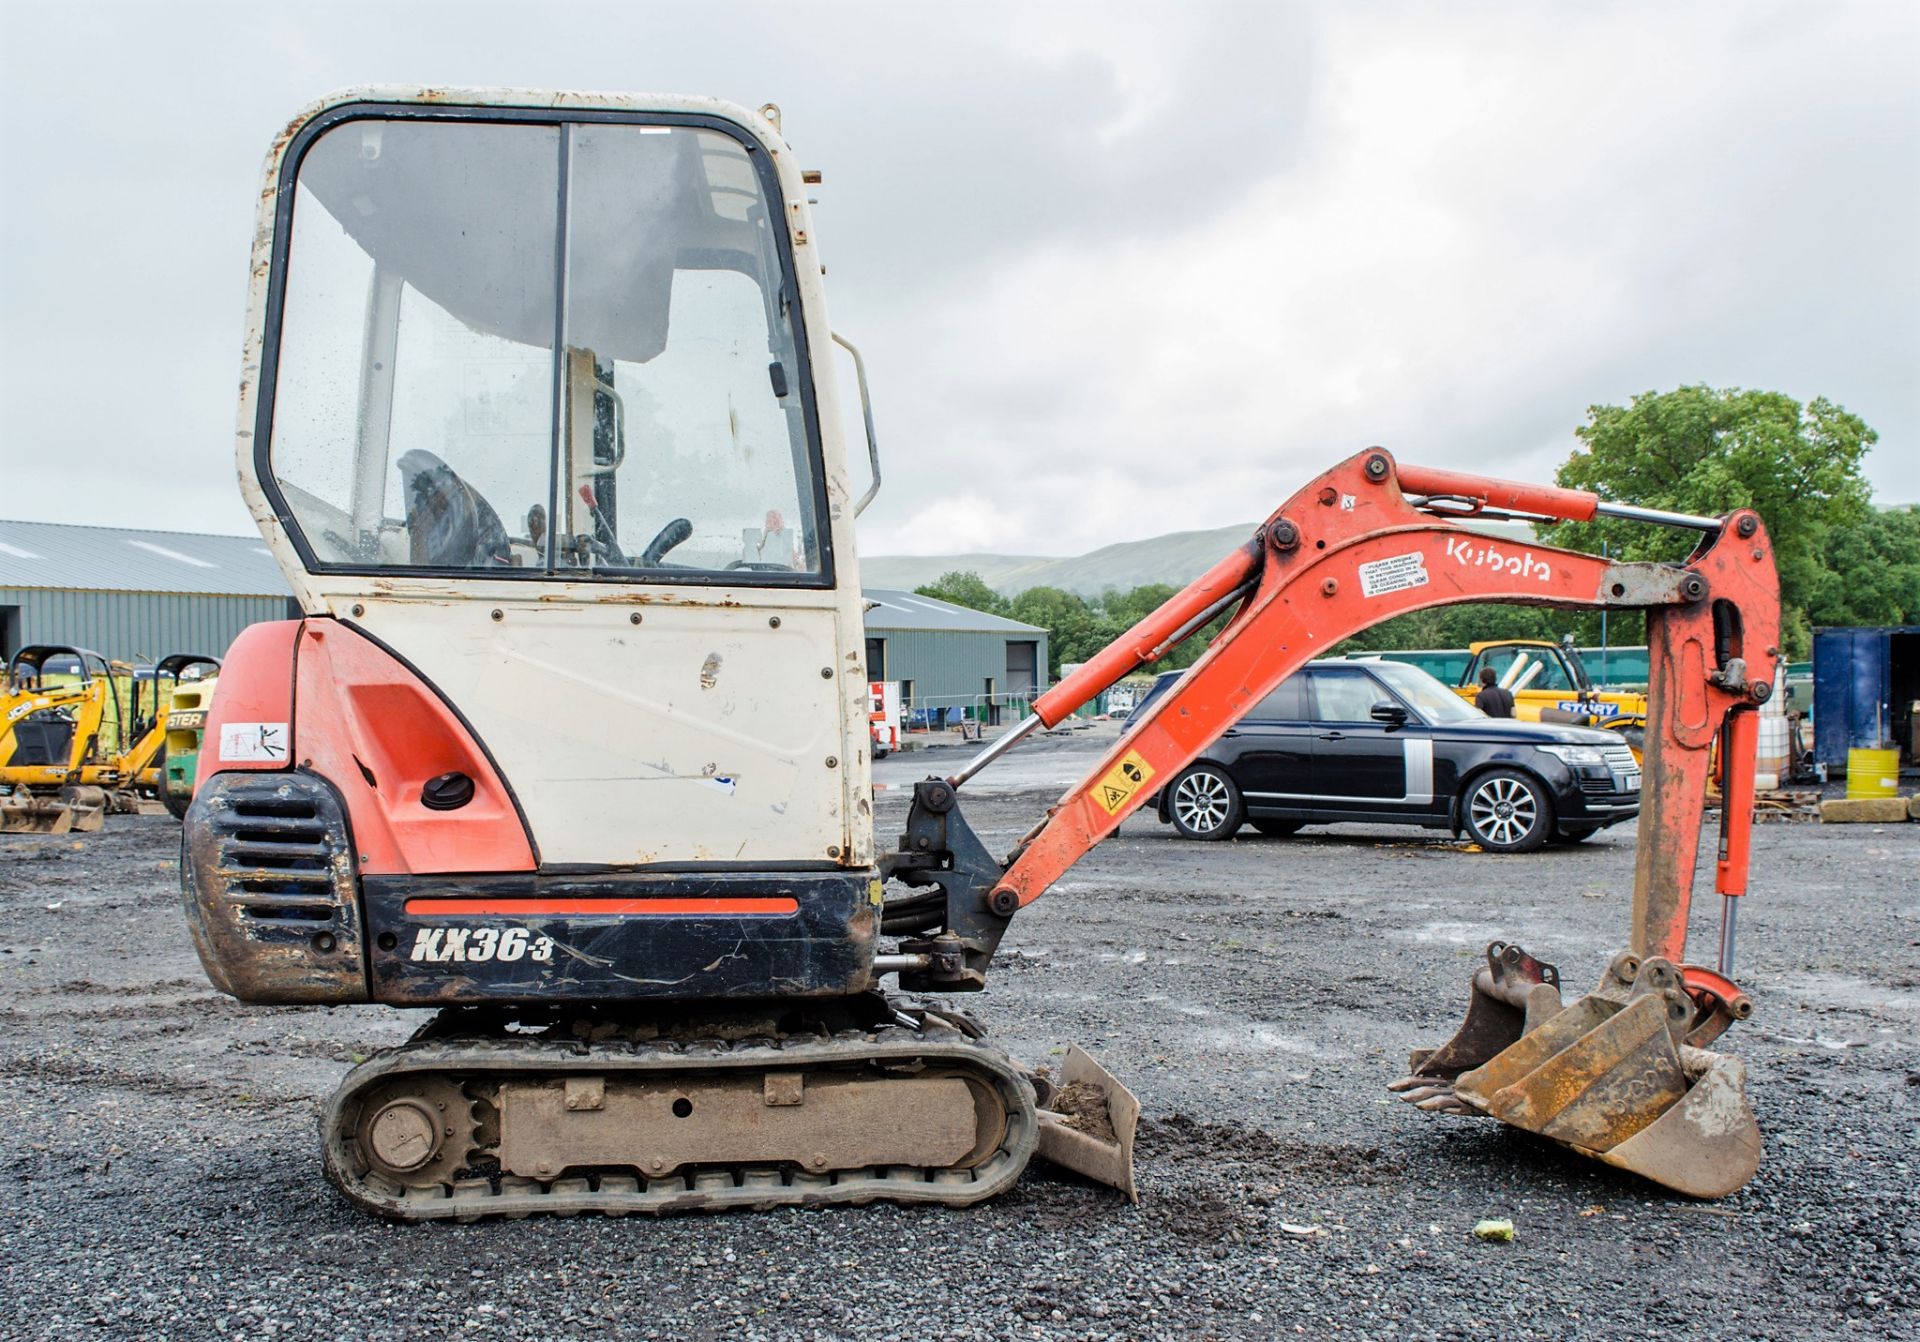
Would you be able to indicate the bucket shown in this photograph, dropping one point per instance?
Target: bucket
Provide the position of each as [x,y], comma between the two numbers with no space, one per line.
[1873,773]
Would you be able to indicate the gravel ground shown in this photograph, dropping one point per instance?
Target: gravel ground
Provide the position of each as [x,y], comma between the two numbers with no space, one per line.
[164,1178]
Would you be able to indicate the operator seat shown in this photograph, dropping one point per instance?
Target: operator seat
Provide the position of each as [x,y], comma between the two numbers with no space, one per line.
[449,525]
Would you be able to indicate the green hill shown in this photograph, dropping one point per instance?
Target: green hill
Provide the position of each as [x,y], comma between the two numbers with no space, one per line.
[1176,558]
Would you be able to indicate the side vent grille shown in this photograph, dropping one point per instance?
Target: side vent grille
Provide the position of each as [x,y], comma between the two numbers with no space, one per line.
[272,888]
[277,860]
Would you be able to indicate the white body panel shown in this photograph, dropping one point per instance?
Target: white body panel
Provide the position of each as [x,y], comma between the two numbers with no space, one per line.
[702,734]
[607,731]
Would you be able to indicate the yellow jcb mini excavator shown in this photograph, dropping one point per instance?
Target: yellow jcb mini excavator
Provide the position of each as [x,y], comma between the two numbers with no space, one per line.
[184,724]
[129,778]
[571,739]
[74,746]
[50,728]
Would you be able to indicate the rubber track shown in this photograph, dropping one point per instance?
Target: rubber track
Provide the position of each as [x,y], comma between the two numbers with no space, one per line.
[709,1188]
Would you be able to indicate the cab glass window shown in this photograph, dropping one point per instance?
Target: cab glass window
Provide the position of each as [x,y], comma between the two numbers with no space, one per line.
[1540,669]
[1433,702]
[443,399]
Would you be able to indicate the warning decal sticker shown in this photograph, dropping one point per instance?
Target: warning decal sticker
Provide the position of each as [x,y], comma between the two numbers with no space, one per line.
[1393,574]
[245,742]
[1122,781]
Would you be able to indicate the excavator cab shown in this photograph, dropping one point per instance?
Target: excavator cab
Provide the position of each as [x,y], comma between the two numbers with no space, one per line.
[571,739]
[541,432]
[129,779]
[1550,683]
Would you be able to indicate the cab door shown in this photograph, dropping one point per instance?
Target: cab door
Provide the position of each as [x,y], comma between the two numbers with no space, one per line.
[1360,764]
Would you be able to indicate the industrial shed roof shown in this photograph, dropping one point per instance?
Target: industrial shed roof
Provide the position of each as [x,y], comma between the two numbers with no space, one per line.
[893,609]
[113,559]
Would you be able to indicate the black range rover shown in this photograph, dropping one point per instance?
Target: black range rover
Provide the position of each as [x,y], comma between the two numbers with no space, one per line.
[1386,742]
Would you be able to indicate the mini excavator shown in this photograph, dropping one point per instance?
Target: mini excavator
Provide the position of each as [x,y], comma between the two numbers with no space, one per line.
[74,746]
[571,744]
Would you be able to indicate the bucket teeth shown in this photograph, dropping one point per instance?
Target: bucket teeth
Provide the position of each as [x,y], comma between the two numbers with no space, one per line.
[1608,1076]
[1511,994]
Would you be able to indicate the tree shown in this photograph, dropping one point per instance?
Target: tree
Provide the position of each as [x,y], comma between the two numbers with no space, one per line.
[1873,572]
[1700,450]
[1072,625]
[965,588]
[1129,608]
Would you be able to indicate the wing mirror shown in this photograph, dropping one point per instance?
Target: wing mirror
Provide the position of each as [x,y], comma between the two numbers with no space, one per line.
[1391,714]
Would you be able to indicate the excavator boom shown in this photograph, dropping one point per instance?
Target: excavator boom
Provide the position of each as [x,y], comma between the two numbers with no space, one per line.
[1369,540]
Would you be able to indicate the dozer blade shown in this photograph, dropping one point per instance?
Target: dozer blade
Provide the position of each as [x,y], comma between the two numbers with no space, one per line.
[1609,1076]
[1087,1123]
[21,814]
[89,807]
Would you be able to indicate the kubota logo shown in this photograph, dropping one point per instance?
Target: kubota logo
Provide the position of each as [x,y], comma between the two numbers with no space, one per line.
[476,945]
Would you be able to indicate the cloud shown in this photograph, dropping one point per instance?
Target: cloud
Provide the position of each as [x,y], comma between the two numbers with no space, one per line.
[1498,224]
[1116,269]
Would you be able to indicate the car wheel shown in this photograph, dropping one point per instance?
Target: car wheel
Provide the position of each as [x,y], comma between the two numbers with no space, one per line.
[176,805]
[1507,812]
[1277,829]
[1203,803]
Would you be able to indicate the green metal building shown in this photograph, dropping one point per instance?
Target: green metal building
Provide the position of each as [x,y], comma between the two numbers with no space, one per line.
[952,662]
[134,596]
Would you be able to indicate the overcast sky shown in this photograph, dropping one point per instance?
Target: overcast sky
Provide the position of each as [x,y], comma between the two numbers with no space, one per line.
[1118,270]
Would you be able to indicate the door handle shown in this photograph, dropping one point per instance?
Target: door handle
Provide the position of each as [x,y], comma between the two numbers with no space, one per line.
[1332,736]
[866,414]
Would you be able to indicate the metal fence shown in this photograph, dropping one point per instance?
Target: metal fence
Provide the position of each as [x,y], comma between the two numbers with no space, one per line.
[965,714]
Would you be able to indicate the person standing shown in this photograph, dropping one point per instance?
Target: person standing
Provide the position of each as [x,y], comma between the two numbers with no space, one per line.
[1493,700]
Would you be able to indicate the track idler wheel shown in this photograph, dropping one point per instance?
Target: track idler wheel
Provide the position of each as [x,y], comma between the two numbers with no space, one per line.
[1611,1076]
[418,1129]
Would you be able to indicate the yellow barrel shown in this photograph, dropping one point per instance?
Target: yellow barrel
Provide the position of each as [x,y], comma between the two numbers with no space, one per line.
[1873,773]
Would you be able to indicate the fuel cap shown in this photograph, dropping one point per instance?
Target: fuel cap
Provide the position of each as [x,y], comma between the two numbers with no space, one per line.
[448,792]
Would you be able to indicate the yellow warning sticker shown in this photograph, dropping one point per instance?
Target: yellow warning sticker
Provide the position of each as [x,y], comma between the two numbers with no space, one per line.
[1122,781]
